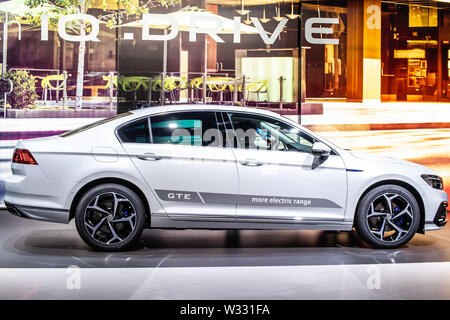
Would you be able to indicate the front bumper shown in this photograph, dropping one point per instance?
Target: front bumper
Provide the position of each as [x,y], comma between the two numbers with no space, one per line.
[42,214]
[434,201]
[440,219]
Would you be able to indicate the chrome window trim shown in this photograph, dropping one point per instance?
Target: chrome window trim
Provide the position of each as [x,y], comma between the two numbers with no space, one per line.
[221,111]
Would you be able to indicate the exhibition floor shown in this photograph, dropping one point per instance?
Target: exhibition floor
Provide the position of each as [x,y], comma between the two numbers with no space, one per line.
[39,260]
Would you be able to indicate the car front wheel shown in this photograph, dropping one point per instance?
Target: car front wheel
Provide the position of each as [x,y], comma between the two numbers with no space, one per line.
[387,217]
[110,217]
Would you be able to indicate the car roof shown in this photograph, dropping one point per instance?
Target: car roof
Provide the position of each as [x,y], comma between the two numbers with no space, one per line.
[197,107]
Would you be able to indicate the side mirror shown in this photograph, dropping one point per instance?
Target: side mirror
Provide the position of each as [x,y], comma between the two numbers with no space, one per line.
[320,149]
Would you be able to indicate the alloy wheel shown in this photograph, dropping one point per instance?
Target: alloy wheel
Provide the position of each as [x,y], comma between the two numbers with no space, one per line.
[390,217]
[110,218]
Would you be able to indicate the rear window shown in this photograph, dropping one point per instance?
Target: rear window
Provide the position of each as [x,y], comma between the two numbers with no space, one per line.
[94,124]
[135,132]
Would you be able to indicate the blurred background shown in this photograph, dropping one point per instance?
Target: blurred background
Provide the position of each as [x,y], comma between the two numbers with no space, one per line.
[376,80]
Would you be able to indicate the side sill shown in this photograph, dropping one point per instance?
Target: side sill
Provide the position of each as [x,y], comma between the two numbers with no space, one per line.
[159,222]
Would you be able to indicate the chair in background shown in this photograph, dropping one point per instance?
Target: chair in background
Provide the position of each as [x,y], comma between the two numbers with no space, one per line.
[172,86]
[133,84]
[196,86]
[258,87]
[220,86]
[110,85]
[48,86]
[175,85]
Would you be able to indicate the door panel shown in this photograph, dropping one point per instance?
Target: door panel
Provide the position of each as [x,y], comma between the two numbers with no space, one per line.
[279,179]
[285,187]
[183,172]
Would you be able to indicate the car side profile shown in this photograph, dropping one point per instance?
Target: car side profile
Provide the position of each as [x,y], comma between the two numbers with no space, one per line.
[217,167]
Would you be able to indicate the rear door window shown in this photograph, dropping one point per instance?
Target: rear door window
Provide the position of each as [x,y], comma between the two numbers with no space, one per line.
[186,128]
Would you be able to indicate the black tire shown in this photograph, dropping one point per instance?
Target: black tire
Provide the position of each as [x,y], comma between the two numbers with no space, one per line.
[369,222]
[125,226]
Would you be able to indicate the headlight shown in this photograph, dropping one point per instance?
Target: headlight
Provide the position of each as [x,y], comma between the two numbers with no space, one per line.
[434,181]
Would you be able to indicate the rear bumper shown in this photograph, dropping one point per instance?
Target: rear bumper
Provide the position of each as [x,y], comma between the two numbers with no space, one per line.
[31,191]
[36,213]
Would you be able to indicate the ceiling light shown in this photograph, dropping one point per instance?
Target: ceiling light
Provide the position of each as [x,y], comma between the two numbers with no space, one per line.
[242,12]
[278,17]
[247,21]
[264,19]
[292,15]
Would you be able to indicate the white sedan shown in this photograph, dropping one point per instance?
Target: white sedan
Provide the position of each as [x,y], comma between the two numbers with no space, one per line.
[216,167]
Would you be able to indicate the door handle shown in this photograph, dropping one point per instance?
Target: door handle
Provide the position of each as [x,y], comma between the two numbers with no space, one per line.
[251,163]
[149,156]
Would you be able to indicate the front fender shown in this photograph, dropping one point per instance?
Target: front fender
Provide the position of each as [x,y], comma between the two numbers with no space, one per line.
[358,185]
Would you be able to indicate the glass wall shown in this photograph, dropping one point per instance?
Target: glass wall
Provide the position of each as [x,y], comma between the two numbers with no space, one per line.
[326,61]
[216,51]
[376,50]
[415,51]
[66,51]
[241,52]
[93,54]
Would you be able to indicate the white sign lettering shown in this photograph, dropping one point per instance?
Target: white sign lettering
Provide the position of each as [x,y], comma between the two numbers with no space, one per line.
[209,25]
[263,33]
[374,19]
[148,19]
[310,30]
[86,17]
[44,27]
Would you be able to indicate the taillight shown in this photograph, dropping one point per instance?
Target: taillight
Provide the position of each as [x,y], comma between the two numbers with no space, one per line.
[23,156]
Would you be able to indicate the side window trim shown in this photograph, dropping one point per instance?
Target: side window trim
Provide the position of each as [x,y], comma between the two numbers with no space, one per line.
[226,142]
[150,129]
[234,142]
[219,125]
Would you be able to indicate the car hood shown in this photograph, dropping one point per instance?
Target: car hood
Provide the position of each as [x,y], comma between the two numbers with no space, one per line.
[382,159]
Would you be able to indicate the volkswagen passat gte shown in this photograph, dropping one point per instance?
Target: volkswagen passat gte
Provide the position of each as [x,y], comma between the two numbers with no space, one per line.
[212,167]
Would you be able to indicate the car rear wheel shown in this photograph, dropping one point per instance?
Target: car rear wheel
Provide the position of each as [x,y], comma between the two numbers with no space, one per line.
[387,217]
[110,217]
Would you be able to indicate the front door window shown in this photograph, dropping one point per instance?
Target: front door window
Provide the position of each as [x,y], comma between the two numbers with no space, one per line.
[263,133]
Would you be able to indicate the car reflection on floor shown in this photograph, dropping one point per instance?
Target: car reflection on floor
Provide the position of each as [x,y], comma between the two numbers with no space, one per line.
[34,244]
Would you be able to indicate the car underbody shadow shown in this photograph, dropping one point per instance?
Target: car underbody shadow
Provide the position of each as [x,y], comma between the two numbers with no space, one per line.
[27,243]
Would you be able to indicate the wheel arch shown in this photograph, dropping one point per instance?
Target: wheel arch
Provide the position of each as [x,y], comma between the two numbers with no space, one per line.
[100,181]
[408,187]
